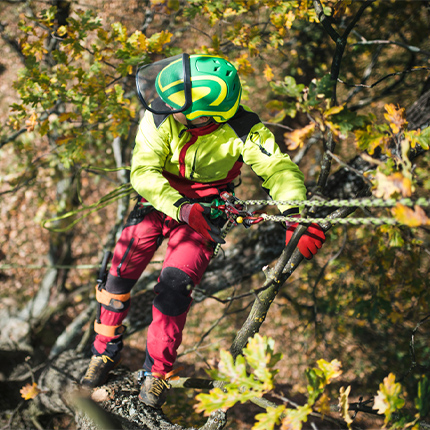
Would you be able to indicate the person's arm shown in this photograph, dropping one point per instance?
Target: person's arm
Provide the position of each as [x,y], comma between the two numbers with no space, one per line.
[283,180]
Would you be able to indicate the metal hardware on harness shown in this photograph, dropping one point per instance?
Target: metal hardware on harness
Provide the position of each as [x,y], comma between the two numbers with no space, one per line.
[236,211]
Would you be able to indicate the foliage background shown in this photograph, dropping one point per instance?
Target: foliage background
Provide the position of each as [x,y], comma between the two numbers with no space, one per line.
[74,106]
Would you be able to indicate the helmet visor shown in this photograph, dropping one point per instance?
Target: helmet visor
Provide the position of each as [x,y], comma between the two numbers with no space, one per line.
[148,80]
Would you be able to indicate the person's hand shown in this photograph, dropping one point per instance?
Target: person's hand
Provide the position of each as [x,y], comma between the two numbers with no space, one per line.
[197,217]
[311,240]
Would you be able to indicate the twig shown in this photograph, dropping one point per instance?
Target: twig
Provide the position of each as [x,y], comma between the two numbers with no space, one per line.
[411,48]
[277,125]
[13,136]
[412,348]
[417,69]
[346,166]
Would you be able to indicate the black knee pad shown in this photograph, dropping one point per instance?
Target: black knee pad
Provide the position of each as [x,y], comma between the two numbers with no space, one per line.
[173,279]
[173,292]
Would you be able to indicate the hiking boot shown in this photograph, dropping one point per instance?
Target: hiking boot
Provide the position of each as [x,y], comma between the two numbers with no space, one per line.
[154,390]
[98,369]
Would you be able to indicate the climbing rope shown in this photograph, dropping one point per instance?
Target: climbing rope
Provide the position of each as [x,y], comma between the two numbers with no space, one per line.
[363,202]
[236,211]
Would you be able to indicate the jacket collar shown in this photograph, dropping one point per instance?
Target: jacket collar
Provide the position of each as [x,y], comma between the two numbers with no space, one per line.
[201,131]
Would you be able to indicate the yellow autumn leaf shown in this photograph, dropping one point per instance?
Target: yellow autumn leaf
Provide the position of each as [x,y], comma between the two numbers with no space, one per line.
[332,369]
[410,217]
[323,404]
[333,111]
[396,117]
[65,116]
[340,8]
[62,30]
[268,73]
[388,398]
[294,418]
[29,391]
[296,139]
[289,19]
[344,405]
[395,183]
[31,122]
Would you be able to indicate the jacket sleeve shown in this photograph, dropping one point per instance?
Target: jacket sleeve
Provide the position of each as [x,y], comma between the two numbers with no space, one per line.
[282,178]
[149,157]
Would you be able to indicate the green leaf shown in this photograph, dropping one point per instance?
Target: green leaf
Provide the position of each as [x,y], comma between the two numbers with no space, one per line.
[267,420]
[315,384]
[216,399]
[348,121]
[320,89]
[331,370]
[319,377]
[288,88]
[388,398]
[373,136]
[295,417]
[420,137]
[422,402]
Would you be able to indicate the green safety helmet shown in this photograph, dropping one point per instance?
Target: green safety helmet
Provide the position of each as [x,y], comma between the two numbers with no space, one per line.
[196,85]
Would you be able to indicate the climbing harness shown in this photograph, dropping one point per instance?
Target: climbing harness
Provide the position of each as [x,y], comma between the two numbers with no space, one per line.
[235,210]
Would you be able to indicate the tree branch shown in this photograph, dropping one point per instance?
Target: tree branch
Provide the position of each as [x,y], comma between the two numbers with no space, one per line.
[411,48]
[12,137]
[416,69]
[324,20]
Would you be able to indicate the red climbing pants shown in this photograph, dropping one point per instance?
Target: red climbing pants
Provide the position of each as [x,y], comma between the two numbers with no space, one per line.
[187,257]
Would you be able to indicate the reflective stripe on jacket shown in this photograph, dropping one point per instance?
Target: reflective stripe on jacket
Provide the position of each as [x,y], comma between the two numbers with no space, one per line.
[171,162]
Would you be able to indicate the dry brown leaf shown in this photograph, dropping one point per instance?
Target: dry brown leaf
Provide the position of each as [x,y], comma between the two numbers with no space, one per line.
[411,217]
[396,117]
[296,138]
[29,391]
[100,395]
[395,183]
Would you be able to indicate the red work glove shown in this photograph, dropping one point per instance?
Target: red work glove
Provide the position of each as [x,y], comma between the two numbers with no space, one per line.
[311,240]
[197,217]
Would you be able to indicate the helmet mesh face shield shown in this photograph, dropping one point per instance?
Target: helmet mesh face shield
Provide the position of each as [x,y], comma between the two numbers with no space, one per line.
[146,77]
[196,85]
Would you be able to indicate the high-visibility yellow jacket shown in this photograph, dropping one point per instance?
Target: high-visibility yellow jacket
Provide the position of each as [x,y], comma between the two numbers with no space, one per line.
[171,162]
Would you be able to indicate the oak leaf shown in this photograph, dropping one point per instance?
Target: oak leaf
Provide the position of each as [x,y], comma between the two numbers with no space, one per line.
[344,405]
[388,398]
[391,184]
[331,369]
[31,122]
[29,391]
[268,73]
[410,217]
[294,418]
[396,117]
[268,419]
[296,139]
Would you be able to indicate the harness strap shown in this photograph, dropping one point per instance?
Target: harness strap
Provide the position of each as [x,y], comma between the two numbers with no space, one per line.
[115,301]
[109,330]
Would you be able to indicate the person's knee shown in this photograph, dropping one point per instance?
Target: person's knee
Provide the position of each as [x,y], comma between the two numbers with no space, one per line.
[174,280]
[173,292]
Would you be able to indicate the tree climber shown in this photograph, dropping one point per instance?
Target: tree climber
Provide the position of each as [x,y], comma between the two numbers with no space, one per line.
[190,146]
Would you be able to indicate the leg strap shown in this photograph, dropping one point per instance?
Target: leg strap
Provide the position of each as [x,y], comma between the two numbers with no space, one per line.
[117,302]
[109,330]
